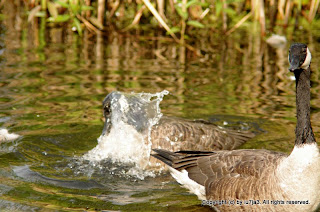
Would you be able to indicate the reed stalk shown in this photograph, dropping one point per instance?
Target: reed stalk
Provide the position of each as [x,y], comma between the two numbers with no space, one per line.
[115,7]
[281,4]
[88,24]
[224,15]
[254,9]
[239,23]
[160,4]
[1,3]
[101,11]
[313,9]
[43,4]
[161,21]
[136,18]
[205,12]
[262,18]
[272,14]
[287,13]
[183,21]
[171,3]
[190,12]
[88,12]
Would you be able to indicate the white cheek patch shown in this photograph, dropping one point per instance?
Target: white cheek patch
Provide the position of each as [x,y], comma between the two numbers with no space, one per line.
[307,61]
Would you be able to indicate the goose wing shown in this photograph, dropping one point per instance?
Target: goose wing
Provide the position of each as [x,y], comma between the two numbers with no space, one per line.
[176,134]
[216,169]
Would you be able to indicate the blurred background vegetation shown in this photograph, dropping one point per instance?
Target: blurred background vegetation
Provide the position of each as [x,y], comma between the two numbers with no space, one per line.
[180,20]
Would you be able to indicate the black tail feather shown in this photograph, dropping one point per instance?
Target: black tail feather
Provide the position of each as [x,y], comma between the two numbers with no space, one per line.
[164,155]
[177,159]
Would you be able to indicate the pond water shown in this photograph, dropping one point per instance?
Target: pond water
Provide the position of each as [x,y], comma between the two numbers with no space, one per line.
[52,84]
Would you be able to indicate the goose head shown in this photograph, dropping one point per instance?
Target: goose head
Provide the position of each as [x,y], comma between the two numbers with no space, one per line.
[299,57]
[107,112]
[119,108]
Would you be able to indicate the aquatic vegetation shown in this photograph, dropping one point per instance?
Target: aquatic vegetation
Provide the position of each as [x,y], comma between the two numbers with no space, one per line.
[179,18]
[62,11]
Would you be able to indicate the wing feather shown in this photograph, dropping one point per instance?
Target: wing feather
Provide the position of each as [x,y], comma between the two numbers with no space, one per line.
[207,168]
[179,134]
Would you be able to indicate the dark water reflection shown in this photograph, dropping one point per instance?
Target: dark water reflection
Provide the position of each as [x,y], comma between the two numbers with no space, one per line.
[52,83]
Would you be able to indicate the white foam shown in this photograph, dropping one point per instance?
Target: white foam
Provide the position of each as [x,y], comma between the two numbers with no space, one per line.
[6,136]
[122,144]
[129,140]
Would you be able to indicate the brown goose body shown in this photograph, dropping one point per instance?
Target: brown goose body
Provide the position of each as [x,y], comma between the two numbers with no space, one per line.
[255,180]
[248,178]
[171,133]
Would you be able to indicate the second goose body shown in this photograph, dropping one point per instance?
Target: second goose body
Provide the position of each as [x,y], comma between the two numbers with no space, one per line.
[258,175]
[171,133]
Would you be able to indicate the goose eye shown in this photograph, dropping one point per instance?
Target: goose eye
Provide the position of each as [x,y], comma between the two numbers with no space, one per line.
[106,110]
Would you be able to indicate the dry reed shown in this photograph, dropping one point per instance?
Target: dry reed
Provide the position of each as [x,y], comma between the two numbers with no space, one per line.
[180,16]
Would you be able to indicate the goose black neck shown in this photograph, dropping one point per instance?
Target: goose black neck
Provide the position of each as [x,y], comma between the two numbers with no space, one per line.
[304,133]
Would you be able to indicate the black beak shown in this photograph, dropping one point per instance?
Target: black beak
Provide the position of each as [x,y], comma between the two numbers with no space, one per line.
[291,69]
[294,64]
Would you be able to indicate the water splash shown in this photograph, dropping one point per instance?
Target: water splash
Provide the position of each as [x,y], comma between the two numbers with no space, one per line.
[128,141]
[5,136]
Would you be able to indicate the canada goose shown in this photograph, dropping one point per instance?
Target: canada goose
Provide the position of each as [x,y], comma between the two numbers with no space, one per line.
[258,176]
[170,133]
